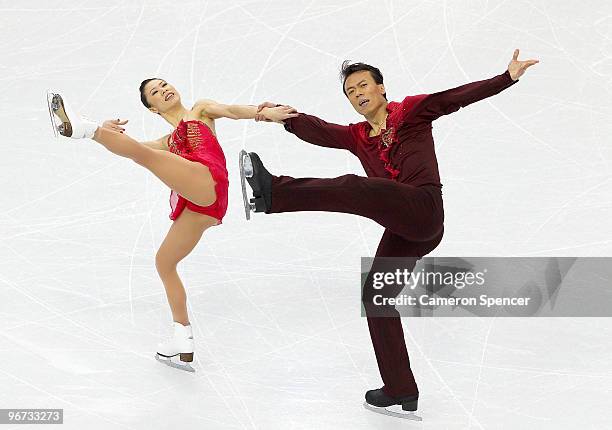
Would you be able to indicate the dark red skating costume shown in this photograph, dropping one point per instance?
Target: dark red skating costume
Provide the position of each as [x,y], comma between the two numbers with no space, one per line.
[402,193]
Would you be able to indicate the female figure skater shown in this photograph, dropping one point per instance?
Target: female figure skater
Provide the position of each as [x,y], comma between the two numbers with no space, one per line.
[191,163]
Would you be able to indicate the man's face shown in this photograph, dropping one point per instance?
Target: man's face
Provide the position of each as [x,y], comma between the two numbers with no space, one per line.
[364,93]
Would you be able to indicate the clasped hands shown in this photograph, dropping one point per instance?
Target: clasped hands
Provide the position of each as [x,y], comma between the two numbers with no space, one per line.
[270,112]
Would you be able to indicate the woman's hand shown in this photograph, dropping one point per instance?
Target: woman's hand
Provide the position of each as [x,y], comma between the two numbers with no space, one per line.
[259,116]
[517,68]
[114,125]
[271,113]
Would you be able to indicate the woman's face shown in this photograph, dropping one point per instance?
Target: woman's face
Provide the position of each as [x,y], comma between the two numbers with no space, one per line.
[161,95]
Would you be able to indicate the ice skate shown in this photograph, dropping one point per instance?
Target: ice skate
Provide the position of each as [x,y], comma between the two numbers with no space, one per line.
[379,402]
[70,124]
[178,351]
[253,171]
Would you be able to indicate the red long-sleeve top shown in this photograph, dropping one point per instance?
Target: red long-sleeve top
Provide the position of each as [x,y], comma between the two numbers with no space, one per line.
[405,150]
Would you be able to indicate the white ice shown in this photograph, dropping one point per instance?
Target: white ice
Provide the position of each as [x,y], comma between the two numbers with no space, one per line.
[275,301]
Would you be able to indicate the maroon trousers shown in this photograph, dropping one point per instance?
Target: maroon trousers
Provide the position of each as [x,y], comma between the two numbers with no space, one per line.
[413,218]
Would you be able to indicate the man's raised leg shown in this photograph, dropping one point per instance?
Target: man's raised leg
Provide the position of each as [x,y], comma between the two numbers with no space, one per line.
[414,213]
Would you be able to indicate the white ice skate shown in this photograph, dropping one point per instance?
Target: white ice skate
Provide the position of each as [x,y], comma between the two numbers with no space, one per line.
[70,124]
[178,351]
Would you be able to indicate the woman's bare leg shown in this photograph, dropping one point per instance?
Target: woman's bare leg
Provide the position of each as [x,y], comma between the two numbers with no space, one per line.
[190,179]
[182,237]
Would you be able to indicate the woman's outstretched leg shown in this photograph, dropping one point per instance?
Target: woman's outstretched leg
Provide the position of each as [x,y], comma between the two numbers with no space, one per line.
[181,239]
[190,179]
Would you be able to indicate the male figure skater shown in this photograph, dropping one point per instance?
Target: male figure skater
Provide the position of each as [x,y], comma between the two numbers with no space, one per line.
[402,191]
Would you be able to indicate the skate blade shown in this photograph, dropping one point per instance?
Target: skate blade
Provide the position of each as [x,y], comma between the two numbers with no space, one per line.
[246,171]
[411,416]
[58,110]
[177,363]
[54,125]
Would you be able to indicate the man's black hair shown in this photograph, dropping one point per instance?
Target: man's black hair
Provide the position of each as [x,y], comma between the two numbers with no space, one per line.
[348,69]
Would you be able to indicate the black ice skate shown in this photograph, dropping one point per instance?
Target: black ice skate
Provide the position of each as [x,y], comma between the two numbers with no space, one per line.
[253,171]
[378,401]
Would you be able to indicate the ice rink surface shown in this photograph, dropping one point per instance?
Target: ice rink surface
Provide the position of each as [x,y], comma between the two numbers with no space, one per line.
[275,301]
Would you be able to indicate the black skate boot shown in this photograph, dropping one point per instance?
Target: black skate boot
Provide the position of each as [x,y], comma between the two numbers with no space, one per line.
[260,180]
[379,399]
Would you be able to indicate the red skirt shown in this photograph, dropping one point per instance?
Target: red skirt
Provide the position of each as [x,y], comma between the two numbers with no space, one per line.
[216,210]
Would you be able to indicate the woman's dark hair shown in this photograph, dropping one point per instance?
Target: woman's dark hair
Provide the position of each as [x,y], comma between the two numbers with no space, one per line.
[143,97]
[348,69]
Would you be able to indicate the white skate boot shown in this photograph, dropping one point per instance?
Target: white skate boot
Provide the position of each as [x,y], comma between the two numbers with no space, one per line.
[178,351]
[70,124]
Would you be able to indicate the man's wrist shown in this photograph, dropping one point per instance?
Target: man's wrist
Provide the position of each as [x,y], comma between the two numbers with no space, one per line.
[510,76]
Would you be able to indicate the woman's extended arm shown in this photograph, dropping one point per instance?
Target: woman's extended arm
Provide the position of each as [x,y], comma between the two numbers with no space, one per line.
[116,125]
[161,143]
[214,110]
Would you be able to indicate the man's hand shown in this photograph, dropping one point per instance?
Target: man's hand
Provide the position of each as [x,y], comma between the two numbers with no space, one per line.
[269,112]
[260,116]
[115,125]
[517,68]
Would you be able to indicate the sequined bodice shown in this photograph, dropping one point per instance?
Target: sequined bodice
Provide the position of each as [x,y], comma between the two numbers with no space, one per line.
[191,138]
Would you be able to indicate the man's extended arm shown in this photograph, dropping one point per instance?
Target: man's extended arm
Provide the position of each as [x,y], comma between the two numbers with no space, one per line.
[433,106]
[318,132]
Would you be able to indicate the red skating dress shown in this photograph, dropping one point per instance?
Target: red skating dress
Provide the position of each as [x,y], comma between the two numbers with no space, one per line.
[195,141]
